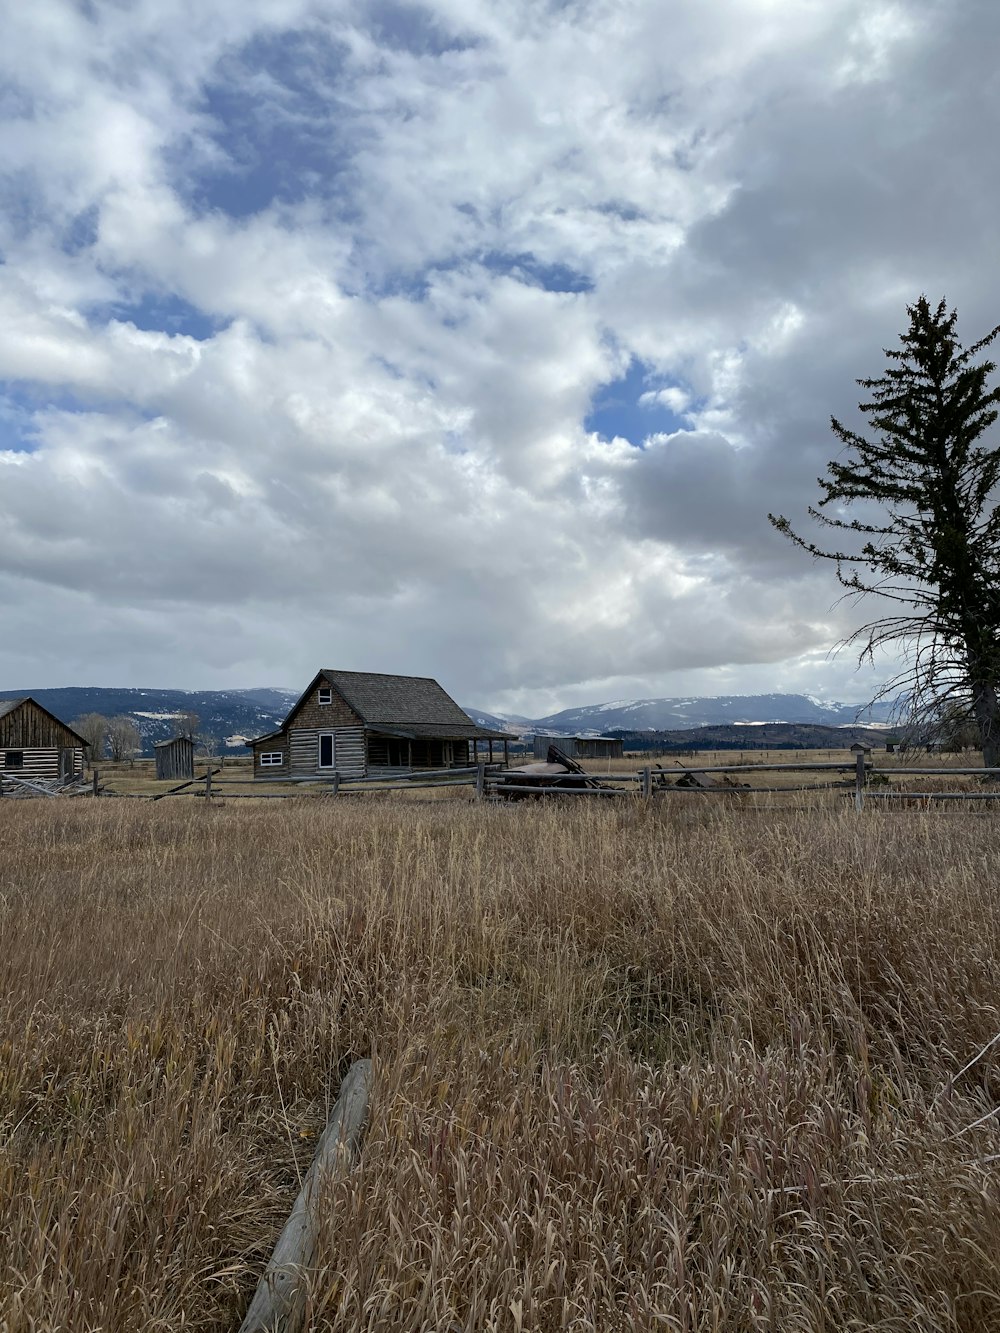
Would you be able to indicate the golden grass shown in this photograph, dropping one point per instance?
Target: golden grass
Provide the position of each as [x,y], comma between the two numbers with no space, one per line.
[679,1067]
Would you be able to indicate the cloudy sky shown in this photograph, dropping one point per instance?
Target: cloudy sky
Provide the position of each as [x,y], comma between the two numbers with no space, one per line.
[473,338]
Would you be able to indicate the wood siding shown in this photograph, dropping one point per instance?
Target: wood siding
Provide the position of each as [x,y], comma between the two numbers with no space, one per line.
[29,727]
[348,751]
[271,747]
[349,746]
[43,762]
[175,760]
[323,717]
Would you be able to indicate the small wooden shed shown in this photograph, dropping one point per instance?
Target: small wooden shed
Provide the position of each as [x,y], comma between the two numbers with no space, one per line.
[580,747]
[35,744]
[175,759]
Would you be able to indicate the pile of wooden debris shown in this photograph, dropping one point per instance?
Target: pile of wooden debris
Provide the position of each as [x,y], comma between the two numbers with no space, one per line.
[31,788]
[558,774]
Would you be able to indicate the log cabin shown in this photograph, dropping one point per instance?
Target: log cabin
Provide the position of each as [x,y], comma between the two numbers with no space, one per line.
[35,744]
[361,724]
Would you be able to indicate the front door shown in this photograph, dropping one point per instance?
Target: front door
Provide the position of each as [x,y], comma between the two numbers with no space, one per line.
[67,765]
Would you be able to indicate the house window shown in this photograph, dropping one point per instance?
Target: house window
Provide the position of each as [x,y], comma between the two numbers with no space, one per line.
[272,759]
[325,695]
[14,759]
[326,750]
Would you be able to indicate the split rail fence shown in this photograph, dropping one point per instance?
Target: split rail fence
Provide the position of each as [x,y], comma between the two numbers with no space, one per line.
[858,776]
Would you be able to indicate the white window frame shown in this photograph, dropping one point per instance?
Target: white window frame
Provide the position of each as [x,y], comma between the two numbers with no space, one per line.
[324,695]
[326,735]
[272,758]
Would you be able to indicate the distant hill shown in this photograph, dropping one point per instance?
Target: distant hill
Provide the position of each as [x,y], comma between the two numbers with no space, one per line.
[229,717]
[513,722]
[681,713]
[768,736]
[676,714]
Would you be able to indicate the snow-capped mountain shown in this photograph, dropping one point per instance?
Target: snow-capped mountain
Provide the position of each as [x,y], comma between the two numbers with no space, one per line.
[230,717]
[680,714]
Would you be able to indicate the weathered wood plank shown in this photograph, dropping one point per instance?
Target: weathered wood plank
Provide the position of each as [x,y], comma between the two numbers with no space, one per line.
[278,1305]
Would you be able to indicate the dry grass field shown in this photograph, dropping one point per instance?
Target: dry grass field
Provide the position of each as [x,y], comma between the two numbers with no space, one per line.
[675,1067]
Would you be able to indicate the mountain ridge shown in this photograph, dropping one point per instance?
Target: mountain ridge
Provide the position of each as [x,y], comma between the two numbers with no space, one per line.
[691,711]
[228,718]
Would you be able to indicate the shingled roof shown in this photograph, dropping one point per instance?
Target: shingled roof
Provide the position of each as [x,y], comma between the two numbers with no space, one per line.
[408,706]
[400,699]
[414,705]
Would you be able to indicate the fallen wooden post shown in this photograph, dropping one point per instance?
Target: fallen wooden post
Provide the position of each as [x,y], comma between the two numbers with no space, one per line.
[278,1305]
[172,791]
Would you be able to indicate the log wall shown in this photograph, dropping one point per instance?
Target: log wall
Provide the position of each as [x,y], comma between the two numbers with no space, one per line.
[42,762]
[348,752]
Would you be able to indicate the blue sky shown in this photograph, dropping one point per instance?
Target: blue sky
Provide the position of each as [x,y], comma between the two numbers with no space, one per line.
[474,340]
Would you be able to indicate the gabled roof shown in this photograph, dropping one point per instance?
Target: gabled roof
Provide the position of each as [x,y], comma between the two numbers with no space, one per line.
[416,705]
[11,705]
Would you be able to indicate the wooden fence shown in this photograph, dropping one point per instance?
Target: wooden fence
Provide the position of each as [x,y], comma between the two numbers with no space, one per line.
[857,776]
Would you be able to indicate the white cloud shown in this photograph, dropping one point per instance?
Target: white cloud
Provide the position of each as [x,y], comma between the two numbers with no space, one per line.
[304,305]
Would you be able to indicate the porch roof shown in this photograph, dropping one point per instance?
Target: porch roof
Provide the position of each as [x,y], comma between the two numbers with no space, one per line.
[443,731]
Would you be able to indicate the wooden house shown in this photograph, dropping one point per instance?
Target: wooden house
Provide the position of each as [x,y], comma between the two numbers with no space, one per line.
[35,744]
[361,724]
[580,747]
[175,759]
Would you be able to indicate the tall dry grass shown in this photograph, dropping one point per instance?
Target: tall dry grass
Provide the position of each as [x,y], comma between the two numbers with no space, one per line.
[684,1068]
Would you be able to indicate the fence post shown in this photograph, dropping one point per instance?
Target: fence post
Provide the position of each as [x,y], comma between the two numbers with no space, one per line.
[335,784]
[647,782]
[480,781]
[96,782]
[208,784]
[859,780]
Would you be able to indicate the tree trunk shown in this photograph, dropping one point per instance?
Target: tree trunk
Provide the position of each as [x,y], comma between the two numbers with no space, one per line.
[986,710]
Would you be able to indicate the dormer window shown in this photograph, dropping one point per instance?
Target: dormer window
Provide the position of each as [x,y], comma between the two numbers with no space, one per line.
[324,695]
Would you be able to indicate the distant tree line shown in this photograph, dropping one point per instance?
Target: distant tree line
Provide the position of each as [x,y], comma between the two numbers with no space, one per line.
[119,738]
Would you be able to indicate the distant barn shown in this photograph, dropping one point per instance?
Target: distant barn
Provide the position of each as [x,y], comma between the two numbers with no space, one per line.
[35,744]
[580,747]
[175,759]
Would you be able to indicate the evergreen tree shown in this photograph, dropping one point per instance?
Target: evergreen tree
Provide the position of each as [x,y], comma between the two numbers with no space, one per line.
[926,535]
